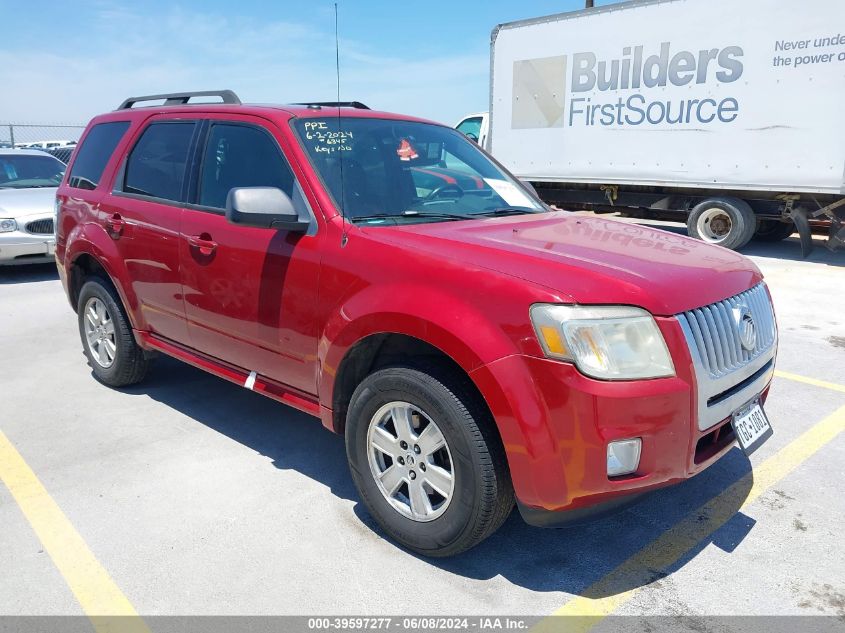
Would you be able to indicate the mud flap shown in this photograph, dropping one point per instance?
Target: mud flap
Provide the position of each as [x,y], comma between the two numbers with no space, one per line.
[836,236]
[799,217]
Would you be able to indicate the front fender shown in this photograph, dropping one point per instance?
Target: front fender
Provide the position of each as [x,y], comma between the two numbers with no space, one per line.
[433,315]
[489,355]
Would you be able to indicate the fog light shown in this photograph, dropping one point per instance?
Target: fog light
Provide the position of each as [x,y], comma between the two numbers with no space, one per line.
[623,457]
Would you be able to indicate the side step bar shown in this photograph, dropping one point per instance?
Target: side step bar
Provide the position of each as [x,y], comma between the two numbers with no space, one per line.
[249,380]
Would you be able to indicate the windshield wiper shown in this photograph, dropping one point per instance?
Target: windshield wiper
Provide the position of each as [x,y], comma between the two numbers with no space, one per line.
[27,186]
[502,211]
[411,213]
[408,214]
[373,216]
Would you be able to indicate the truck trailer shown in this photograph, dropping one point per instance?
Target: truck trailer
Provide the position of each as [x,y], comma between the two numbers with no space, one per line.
[727,114]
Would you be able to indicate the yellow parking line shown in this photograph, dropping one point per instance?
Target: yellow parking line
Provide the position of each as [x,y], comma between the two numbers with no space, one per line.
[609,593]
[810,381]
[97,593]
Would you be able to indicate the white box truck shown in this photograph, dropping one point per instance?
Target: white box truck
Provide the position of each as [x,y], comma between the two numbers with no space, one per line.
[729,113]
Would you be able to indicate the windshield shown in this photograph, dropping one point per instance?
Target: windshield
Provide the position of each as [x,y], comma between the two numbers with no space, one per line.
[401,171]
[26,170]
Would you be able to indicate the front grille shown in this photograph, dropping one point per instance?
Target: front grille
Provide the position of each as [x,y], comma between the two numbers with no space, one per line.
[715,331]
[40,227]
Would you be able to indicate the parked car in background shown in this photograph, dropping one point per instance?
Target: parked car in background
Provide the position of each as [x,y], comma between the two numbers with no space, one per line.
[28,182]
[62,153]
[45,144]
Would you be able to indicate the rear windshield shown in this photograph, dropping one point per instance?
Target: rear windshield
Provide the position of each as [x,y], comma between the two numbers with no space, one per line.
[388,171]
[26,171]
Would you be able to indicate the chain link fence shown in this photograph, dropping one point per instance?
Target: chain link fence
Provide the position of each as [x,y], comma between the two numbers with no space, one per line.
[43,136]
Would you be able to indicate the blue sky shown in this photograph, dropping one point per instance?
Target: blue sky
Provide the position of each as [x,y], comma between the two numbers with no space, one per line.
[79,58]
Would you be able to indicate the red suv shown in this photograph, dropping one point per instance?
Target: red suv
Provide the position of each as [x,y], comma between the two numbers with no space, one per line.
[386,275]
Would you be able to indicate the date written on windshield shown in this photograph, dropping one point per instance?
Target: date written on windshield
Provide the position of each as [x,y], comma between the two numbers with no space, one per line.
[326,140]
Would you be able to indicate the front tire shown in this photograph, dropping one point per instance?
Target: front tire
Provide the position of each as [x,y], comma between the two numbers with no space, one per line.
[427,460]
[107,338]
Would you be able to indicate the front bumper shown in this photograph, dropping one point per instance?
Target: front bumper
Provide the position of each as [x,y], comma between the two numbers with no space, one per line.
[19,247]
[555,424]
[540,517]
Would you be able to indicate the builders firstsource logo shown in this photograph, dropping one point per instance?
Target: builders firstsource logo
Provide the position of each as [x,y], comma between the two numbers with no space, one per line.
[622,91]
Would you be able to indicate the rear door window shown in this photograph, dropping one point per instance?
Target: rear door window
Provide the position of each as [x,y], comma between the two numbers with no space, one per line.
[240,156]
[94,153]
[156,165]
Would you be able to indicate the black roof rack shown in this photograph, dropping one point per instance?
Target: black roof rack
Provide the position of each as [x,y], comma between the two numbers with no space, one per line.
[182,98]
[335,104]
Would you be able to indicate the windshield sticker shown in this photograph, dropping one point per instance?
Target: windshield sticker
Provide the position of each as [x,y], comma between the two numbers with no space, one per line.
[509,192]
[406,151]
[325,140]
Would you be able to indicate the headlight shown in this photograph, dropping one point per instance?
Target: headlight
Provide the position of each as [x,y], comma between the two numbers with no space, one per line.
[606,342]
[8,224]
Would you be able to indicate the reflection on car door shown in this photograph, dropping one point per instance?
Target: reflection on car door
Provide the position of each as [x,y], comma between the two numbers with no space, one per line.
[142,215]
[250,293]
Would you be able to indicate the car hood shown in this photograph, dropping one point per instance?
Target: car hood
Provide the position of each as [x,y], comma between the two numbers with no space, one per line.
[17,203]
[590,259]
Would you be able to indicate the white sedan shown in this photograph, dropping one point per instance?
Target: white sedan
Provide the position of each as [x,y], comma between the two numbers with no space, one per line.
[28,182]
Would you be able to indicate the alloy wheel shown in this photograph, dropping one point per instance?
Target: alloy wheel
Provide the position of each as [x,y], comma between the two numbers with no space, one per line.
[99,332]
[410,461]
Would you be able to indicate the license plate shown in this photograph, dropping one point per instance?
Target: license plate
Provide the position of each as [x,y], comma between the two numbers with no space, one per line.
[751,427]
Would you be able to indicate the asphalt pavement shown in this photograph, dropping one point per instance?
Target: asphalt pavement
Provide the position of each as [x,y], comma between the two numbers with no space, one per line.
[190,495]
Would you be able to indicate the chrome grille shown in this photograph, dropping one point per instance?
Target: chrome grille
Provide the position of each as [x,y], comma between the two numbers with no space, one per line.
[715,331]
[40,227]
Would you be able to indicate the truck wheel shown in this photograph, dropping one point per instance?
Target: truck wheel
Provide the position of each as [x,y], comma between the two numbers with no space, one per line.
[107,339]
[728,222]
[427,460]
[773,231]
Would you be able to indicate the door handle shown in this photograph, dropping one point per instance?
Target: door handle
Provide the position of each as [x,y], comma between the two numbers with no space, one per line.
[114,225]
[203,242]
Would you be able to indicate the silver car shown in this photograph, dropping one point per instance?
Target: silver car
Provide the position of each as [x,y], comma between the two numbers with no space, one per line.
[28,182]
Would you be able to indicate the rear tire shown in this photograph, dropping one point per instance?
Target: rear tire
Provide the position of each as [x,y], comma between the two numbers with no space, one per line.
[466,488]
[728,222]
[107,338]
[773,231]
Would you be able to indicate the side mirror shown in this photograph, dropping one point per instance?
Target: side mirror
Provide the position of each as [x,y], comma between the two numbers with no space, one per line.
[263,207]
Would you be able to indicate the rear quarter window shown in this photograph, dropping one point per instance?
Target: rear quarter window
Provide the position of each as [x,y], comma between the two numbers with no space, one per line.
[94,153]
